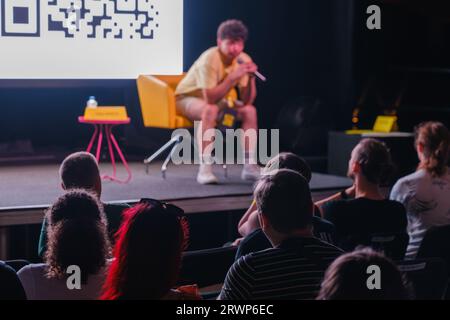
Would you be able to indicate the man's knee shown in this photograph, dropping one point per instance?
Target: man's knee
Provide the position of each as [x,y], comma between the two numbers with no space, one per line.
[210,112]
[249,112]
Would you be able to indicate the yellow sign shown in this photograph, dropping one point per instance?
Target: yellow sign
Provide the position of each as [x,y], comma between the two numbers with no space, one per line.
[385,124]
[228,120]
[106,113]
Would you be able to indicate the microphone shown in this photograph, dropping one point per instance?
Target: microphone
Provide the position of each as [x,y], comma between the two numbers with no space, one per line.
[256,73]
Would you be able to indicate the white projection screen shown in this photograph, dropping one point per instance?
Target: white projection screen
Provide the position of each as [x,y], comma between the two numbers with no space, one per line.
[90,39]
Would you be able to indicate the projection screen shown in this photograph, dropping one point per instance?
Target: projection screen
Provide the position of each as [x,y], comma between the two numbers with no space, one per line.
[90,39]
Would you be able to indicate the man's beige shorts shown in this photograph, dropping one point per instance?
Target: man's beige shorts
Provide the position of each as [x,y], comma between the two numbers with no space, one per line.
[188,106]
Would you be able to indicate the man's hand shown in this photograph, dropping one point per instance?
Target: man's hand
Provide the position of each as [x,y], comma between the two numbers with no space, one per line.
[242,70]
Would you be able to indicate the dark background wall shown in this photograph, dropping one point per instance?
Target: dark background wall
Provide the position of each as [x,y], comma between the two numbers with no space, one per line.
[307,48]
[304,48]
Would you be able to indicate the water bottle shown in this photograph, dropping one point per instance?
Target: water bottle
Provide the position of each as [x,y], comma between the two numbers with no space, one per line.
[92,103]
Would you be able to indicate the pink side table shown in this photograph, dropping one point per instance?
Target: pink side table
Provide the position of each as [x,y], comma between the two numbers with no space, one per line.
[107,126]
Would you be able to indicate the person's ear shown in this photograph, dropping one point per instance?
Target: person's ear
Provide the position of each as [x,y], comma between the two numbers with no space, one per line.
[356,167]
[98,187]
[419,147]
[262,221]
[63,186]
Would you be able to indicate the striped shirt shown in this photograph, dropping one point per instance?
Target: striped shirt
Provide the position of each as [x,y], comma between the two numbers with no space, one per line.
[293,270]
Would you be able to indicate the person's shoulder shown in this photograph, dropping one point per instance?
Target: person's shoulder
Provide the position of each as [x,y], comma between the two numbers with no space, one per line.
[210,56]
[415,176]
[323,246]
[336,206]
[395,206]
[6,269]
[32,270]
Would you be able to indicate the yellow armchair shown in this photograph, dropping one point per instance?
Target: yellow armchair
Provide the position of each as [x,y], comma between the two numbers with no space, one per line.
[157,99]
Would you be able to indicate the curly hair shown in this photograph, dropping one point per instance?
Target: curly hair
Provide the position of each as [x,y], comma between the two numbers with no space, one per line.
[233,30]
[77,235]
[147,255]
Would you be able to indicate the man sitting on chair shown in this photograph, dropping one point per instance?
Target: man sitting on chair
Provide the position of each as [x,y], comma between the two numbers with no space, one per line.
[207,89]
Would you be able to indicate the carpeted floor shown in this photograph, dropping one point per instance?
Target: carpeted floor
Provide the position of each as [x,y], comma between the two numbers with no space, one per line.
[39,184]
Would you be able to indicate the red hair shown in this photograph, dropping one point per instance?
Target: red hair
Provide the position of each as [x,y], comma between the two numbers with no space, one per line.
[147,254]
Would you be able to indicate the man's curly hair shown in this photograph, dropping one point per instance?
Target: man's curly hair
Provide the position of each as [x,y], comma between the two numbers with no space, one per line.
[77,235]
[233,30]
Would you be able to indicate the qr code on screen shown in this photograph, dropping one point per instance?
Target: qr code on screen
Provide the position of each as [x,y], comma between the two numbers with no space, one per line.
[108,19]
[81,19]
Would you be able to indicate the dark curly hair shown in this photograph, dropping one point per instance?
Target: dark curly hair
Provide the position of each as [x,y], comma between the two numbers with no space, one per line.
[77,235]
[233,30]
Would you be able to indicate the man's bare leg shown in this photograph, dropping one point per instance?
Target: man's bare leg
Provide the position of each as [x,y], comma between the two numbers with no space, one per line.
[207,114]
[249,119]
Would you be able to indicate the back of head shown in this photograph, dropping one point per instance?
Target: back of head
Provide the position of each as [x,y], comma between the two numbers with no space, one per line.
[375,160]
[77,235]
[347,278]
[147,254]
[284,198]
[232,30]
[287,160]
[80,170]
[434,138]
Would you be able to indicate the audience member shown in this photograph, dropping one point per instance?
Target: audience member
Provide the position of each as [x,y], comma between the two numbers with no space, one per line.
[10,285]
[78,249]
[249,227]
[349,278]
[426,193]
[294,267]
[362,209]
[80,171]
[147,255]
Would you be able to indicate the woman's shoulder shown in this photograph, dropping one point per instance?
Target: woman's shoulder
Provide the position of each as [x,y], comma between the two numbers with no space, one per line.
[33,267]
[32,271]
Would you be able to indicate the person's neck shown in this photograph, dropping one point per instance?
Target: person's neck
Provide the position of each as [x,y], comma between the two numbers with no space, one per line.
[277,238]
[366,189]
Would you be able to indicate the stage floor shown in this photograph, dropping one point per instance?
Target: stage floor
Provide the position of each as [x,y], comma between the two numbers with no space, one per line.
[38,185]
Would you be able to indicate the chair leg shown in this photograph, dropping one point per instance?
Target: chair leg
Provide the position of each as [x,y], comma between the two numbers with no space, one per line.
[225,171]
[169,156]
[171,144]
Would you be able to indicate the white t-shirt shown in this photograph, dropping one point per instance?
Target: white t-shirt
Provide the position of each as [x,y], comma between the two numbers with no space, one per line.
[427,203]
[38,287]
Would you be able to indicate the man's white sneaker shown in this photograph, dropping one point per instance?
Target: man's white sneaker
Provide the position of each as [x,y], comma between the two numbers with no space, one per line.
[251,172]
[206,176]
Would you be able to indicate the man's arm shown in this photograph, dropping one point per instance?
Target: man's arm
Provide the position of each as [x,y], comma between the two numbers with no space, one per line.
[214,95]
[350,192]
[249,92]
